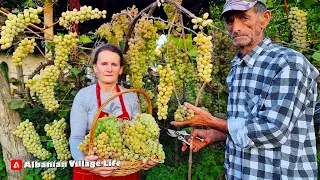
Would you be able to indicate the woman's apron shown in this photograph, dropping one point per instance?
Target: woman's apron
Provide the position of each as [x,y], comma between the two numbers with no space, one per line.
[79,173]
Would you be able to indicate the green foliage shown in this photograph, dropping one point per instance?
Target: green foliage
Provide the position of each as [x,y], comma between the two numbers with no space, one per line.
[3,172]
[35,173]
[207,164]
[16,104]
[13,3]
[5,70]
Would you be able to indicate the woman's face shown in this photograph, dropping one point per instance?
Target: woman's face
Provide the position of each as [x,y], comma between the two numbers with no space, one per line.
[108,67]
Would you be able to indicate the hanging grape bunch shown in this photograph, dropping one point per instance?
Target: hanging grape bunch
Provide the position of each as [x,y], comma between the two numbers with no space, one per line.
[179,61]
[165,90]
[204,49]
[115,31]
[298,23]
[183,113]
[142,50]
[106,31]
[31,140]
[16,24]
[44,85]
[56,130]
[25,47]
[84,14]
[63,48]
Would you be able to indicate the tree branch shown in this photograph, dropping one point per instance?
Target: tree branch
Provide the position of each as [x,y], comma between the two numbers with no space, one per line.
[183,34]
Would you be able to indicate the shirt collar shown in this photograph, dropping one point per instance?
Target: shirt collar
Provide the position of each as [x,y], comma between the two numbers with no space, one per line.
[251,57]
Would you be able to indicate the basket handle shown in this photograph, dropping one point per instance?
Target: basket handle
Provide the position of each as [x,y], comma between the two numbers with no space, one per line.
[96,117]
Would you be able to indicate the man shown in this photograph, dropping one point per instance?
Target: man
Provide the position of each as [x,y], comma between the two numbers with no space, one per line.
[272,94]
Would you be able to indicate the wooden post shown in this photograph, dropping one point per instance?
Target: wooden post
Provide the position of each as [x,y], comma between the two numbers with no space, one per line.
[12,146]
[48,19]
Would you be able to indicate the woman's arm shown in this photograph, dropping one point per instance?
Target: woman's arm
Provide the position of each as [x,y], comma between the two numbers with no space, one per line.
[78,124]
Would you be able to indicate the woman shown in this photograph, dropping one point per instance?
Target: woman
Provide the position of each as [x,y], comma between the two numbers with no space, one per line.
[108,64]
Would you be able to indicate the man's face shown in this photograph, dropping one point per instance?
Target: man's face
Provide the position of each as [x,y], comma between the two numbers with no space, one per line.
[245,28]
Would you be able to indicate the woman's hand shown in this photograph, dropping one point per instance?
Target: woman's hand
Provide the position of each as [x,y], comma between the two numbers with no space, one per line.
[101,171]
[149,165]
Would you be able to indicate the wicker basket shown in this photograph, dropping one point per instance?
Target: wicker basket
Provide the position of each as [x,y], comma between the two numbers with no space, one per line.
[126,167]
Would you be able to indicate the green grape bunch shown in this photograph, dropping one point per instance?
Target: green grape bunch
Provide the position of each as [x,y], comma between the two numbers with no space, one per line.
[16,24]
[106,31]
[170,11]
[183,113]
[201,23]
[79,16]
[108,143]
[204,49]
[45,83]
[25,47]
[124,140]
[31,140]
[63,47]
[120,22]
[165,90]
[115,31]
[56,130]
[298,22]
[179,61]
[49,174]
[141,136]
[141,51]
[44,86]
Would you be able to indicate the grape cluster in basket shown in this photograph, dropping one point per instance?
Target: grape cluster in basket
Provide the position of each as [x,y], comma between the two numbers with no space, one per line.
[123,140]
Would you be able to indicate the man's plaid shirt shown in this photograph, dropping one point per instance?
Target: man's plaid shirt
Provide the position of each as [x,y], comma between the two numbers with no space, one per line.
[272,96]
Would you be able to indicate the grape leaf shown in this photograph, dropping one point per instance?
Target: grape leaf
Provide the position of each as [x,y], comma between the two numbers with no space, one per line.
[316,56]
[75,70]
[16,104]
[85,39]
[192,52]
[307,3]
[63,114]
[2,173]
[74,93]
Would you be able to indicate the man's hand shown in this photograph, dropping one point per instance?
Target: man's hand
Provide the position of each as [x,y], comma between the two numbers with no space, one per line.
[201,117]
[209,136]
[149,165]
[101,171]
